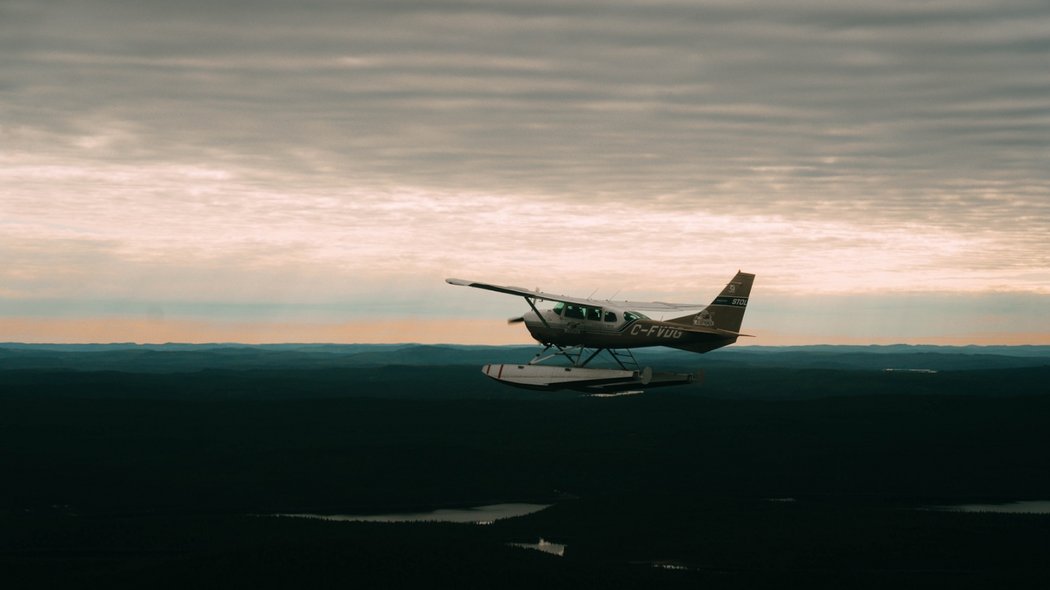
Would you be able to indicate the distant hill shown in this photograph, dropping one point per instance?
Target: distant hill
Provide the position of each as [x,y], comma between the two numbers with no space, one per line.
[178,358]
[941,358]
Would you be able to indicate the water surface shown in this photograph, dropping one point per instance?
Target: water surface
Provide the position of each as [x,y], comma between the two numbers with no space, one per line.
[544,546]
[476,515]
[1029,507]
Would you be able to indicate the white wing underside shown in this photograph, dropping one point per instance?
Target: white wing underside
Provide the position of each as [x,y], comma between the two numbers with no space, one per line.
[542,296]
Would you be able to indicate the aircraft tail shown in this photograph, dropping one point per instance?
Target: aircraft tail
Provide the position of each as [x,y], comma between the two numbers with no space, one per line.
[726,312]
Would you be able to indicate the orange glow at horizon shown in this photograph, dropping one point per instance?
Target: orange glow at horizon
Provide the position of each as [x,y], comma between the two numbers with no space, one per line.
[157,331]
[975,339]
[421,331]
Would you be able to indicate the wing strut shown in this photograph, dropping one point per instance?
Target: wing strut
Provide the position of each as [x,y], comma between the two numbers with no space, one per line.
[532,304]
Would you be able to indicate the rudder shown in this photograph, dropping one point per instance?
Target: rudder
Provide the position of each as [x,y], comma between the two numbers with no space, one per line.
[726,312]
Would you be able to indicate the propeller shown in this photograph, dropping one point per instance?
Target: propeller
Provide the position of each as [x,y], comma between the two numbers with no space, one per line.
[516,320]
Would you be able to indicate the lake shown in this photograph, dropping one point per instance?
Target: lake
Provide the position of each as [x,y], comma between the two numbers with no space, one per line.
[1028,507]
[476,515]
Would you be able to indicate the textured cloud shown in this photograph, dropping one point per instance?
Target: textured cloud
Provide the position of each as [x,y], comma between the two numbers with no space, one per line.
[322,153]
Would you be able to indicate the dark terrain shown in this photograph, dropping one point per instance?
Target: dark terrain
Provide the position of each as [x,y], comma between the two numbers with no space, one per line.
[806,467]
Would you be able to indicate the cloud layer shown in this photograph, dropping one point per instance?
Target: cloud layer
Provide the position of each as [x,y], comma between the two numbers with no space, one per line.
[355,153]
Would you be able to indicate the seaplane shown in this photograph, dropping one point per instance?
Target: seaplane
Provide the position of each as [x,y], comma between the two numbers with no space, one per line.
[577,331]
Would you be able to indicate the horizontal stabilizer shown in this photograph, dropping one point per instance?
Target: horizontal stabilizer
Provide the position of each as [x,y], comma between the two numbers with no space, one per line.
[716,331]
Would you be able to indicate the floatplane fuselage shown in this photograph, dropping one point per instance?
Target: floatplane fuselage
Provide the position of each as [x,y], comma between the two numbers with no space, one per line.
[579,330]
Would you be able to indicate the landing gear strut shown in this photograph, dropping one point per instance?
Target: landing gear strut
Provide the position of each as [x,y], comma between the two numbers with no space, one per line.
[575,354]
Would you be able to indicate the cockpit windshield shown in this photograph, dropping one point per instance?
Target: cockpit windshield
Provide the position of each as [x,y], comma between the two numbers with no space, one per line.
[630,316]
[558,307]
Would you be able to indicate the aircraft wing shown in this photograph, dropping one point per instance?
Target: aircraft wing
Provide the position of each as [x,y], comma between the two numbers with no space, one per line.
[537,294]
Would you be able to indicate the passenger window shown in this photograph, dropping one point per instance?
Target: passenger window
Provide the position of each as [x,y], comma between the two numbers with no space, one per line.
[610,316]
[573,311]
[594,314]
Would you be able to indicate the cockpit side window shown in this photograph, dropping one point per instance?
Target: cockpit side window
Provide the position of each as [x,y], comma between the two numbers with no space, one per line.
[579,312]
[610,316]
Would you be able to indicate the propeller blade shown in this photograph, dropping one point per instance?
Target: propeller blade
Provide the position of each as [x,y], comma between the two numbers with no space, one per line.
[516,320]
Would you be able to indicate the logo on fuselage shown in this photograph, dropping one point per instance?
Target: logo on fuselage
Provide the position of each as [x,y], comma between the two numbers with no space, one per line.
[705,318]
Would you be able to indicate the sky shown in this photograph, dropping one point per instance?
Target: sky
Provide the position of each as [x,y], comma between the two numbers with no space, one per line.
[312,171]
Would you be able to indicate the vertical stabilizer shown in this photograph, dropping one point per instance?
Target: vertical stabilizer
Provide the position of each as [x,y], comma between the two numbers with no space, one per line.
[726,312]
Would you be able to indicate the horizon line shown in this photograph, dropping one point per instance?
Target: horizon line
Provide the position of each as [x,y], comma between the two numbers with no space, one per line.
[509,345]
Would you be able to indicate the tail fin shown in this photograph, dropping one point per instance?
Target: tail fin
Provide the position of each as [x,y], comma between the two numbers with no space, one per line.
[726,312]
